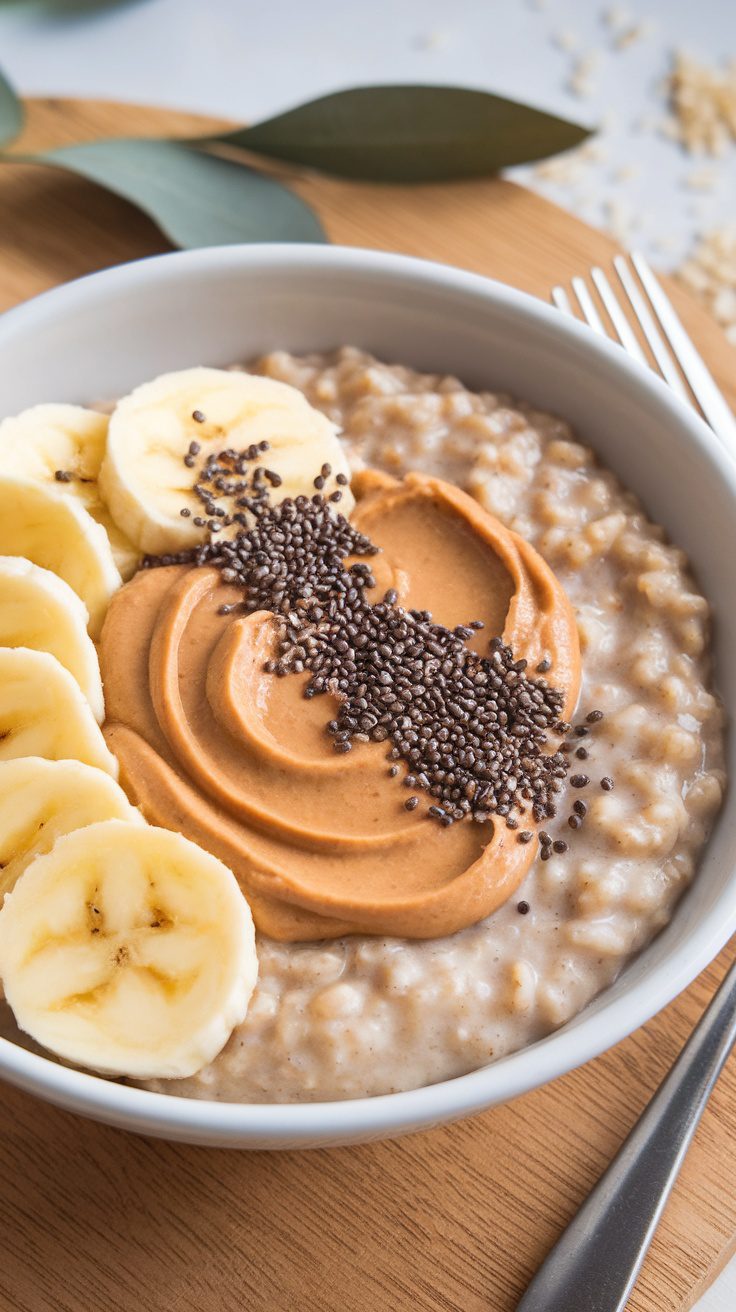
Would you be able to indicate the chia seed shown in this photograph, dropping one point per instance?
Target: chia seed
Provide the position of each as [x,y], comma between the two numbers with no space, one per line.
[473,729]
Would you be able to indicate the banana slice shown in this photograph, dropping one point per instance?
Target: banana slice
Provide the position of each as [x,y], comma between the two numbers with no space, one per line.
[129,950]
[55,532]
[44,713]
[70,441]
[41,800]
[38,609]
[144,479]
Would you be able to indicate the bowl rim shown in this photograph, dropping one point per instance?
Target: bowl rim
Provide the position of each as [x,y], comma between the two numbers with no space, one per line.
[584,1037]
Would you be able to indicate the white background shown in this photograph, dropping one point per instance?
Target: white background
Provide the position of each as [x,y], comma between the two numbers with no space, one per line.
[246,59]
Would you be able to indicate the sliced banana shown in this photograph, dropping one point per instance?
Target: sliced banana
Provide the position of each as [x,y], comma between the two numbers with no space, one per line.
[38,609]
[44,713]
[58,534]
[66,440]
[41,800]
[144,479]
[129,950]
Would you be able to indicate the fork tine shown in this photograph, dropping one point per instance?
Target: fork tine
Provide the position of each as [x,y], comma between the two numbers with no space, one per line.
[585,301]
[561,299]
[712,403]
[624,331]
[664,359]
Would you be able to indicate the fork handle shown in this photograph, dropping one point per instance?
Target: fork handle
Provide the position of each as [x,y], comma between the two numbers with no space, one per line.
[593,1266]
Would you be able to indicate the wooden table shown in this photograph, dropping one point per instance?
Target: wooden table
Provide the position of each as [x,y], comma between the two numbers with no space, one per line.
[455,1220]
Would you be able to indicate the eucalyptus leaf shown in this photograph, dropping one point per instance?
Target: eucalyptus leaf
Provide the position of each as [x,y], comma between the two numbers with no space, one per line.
[11,112]
[409,134]
[64,9]
[196,199]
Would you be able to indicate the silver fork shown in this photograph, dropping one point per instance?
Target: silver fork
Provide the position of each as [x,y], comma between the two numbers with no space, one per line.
[653,311]
[595,1262]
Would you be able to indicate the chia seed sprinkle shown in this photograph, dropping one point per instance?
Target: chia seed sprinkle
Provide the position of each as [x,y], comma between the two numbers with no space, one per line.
[198,416]
[607,784]
[523,908]
[472,729]
[582,753]
[579,780]
[63,475]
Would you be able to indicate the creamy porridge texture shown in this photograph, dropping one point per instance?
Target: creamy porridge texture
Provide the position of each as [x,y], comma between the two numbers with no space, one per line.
[363,1015]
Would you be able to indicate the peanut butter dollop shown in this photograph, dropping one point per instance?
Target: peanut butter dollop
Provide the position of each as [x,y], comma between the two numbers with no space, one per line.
[212,746]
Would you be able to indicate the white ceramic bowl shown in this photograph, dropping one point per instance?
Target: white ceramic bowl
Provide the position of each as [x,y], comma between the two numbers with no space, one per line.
[100,336]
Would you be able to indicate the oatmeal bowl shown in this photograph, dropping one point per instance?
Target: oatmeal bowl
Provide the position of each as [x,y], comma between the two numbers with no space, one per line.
[364,637]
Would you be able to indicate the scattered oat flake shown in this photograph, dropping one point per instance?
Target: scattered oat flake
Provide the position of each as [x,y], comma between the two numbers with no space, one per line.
[627,173]
[580,81]
[593,150]
[620,220]
[566,40]
[703,103]
[565,169]
[630,35]
[710,272]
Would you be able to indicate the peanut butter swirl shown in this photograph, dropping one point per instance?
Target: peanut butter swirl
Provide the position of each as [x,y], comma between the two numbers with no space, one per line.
[213,744]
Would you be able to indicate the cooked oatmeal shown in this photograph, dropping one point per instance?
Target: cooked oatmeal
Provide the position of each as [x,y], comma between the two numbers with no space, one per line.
[365,1015]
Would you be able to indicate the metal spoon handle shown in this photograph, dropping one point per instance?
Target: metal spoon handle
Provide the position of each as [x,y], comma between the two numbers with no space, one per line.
[593,1266]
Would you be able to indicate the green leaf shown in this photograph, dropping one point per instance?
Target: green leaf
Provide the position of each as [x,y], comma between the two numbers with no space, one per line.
[196,199]
[409,134]
[11,112]
[63,9]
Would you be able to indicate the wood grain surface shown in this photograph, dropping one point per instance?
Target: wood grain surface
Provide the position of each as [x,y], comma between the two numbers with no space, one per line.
[455,1220]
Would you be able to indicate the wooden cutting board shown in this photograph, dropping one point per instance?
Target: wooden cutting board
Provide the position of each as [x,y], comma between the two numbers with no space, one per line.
[455,1220]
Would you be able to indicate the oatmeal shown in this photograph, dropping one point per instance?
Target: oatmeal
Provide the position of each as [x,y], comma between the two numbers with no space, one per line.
[367,1015]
